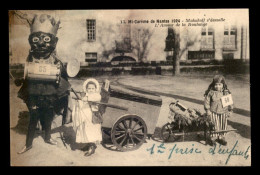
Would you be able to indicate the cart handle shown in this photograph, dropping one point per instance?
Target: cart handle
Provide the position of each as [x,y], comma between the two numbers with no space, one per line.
[198,132]
[100,103]
[78,98]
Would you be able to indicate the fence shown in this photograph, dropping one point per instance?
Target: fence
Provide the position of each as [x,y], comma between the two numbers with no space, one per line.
[154,67]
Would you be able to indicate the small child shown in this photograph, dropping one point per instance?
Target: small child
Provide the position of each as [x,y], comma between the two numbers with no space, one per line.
[214,108]
[86,118]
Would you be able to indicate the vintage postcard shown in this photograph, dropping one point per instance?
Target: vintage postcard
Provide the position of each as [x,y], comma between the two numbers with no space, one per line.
[144,87]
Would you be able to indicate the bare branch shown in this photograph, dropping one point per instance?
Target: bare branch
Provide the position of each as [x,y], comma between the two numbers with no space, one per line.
[141,41]
[22,16]
[188,44]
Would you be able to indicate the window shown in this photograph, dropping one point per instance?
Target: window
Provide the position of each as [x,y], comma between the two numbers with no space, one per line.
[230,35]
[207,38]
[227,56]
[198,55]
[90,57]
[91,29]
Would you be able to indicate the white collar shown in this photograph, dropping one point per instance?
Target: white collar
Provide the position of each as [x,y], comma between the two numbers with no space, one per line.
[49,60]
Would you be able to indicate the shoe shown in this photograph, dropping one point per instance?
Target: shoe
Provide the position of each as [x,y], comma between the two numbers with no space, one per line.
[85,148]
[222,141]
[24,149]
[211,142]
[91,150]
[88,153]
[200,137]
[51,142]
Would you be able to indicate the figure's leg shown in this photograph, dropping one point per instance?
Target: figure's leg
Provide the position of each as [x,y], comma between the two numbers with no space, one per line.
[222,140]
[32,126]
[31,129]
[42,123]
[93,145]
[213,136]
[48,115]
[224,127]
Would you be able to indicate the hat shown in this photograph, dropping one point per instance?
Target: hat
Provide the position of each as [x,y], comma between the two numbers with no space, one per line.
[219,79]
[45,23]
[91,80]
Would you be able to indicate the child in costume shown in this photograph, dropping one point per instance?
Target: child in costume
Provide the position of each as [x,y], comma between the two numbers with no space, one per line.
[45,87]
[213,105]
[86,117]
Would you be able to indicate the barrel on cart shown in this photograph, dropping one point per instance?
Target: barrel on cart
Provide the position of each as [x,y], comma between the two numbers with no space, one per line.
[136,119]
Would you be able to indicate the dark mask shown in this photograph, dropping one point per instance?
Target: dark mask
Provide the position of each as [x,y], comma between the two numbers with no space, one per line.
[42,44]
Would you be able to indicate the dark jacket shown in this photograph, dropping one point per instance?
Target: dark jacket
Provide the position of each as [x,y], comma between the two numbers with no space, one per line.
[213,103]
[45,94]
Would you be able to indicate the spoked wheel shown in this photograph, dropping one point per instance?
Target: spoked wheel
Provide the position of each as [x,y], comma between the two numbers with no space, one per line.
[129,133]
[167,132]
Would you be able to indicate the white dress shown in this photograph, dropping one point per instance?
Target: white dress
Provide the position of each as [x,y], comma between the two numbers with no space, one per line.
[85,130]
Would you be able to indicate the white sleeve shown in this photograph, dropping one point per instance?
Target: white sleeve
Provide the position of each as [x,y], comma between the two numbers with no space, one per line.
[94,97]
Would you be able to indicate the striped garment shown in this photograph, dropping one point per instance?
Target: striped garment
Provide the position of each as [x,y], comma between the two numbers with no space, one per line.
[220,122]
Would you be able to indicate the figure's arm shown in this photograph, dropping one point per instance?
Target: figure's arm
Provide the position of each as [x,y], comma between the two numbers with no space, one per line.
[207,103]
[63,70]
[230,107]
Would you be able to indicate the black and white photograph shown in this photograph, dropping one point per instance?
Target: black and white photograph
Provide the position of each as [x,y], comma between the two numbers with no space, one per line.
[129,87]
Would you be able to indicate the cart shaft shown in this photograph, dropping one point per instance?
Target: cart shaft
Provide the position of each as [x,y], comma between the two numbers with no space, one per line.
[201,132]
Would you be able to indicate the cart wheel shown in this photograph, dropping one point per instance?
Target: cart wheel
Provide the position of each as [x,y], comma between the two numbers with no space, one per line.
[168,130]
[129,133]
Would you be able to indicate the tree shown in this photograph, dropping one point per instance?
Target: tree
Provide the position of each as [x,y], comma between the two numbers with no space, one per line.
[178,52]
[140,42]
[16,17]
[23,17]
[107,34]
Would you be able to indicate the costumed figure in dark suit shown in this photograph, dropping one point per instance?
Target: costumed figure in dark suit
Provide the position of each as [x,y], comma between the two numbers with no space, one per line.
[45,88]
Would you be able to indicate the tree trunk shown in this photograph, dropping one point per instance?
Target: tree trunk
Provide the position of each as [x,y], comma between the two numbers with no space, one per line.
[176,54]
[177,67]
[176,63]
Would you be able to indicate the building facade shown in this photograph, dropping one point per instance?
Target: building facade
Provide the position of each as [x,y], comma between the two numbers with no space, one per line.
[129,35]
[219,42]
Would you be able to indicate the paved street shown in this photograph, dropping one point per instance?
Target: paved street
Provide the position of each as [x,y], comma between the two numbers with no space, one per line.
[189,89]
